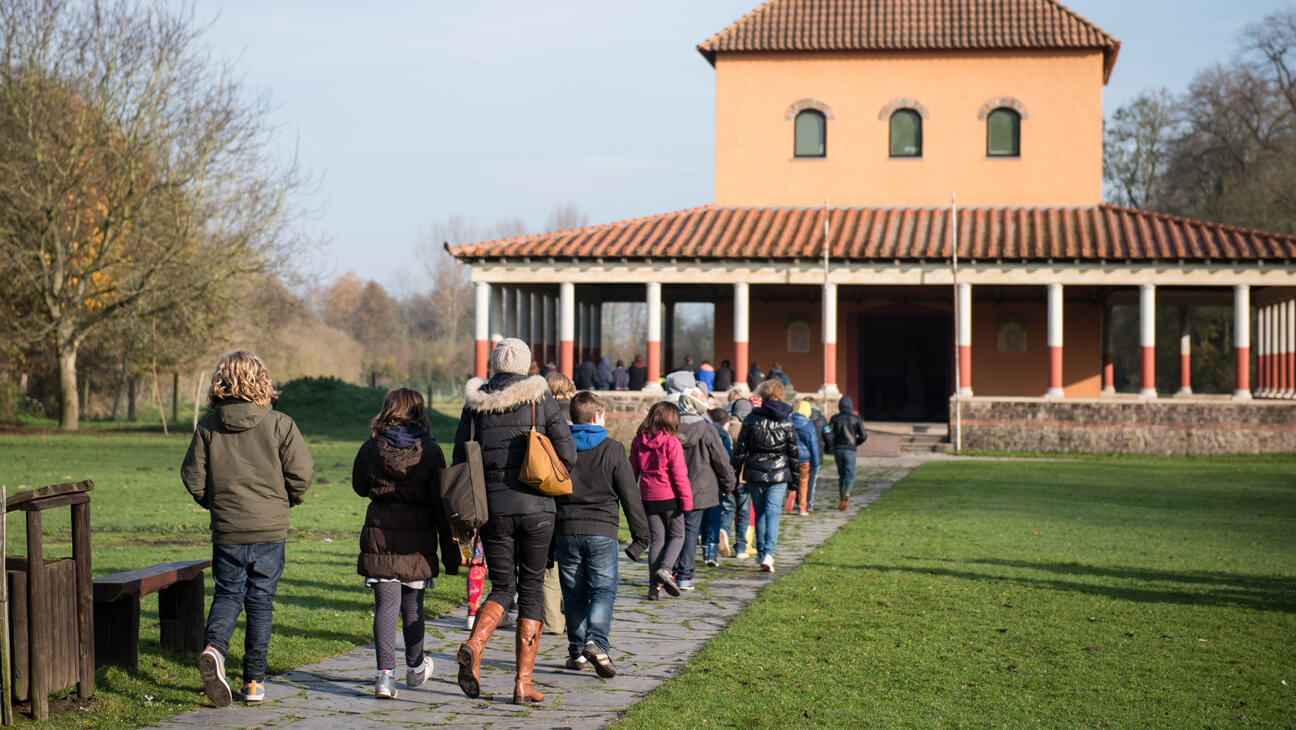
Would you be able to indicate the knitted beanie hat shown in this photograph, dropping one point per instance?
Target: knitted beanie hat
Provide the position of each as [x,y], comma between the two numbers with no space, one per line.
[511,355]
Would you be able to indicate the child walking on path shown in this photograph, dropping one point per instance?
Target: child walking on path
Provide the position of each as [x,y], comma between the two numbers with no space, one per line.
[587,534]
[765,452]
[247,464]
[658,461]
[398,469]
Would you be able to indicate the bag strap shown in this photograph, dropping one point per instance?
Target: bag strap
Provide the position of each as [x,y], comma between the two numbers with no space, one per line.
[533,416]
[472,427]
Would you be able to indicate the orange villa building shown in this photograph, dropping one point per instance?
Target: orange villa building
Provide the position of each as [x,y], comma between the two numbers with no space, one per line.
[859,143]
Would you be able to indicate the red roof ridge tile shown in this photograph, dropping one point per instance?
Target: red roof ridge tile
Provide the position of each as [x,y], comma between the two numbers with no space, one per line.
[1193,221]
[569,232]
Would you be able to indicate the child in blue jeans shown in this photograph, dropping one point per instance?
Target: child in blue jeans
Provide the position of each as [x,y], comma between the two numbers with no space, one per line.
[247,464]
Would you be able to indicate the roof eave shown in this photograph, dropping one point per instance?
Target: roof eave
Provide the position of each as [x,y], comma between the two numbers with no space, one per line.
[1109,60]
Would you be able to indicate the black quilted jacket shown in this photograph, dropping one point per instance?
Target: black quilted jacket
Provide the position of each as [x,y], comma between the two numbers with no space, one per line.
[502,409]
[766,448]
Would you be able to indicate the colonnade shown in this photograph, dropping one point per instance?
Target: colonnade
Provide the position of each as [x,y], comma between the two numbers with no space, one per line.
[533,314]
[1276,371]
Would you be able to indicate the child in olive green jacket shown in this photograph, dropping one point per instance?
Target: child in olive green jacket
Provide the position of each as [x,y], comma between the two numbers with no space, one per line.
[247,464]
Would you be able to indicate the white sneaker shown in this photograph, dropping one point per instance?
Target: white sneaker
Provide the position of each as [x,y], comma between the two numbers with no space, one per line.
[385,685]
[767,564]
[468,622]
[724,544]
[414,676]
[211,665]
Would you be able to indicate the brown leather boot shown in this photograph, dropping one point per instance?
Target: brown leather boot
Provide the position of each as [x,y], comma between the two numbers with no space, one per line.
[844,503]
[528,643]
[470,652]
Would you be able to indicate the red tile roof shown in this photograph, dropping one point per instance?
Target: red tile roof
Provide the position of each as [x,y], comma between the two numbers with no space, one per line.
[1099,233]
[879,25]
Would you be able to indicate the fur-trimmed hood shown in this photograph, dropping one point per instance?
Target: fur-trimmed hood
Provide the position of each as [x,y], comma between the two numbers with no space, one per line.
[504,392]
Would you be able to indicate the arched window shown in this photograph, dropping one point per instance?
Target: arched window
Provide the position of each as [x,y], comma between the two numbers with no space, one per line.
[906,133]
[811,134]
[1003,133]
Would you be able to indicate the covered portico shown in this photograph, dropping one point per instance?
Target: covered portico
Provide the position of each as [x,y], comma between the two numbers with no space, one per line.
[1033,298]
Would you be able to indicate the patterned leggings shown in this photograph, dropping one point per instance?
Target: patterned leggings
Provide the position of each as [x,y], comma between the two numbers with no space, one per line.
[391,599]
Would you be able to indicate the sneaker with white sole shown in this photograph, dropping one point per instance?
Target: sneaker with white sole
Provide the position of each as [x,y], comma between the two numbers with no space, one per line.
[599,658]
[414,676]
[577,663]
[725,552]
[254,691]
[385,685]
[211,666]
[767,564]
[687,584]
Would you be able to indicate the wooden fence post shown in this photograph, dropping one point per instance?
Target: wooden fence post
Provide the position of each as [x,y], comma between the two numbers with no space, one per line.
[6,674]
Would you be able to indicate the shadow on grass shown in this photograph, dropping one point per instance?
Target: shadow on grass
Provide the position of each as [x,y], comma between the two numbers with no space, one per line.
[1260,593]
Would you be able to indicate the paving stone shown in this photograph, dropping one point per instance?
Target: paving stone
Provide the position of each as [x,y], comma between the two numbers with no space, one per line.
[651,640]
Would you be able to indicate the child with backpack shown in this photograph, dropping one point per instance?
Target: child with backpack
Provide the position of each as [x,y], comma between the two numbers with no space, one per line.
[398,469]
[657,458]
[247,464]
[586,534]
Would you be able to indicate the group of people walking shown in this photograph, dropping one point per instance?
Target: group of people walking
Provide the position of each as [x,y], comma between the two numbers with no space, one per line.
[690,476]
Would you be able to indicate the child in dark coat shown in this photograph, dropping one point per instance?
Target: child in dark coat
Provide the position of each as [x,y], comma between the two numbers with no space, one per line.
[398,469]
[587,534]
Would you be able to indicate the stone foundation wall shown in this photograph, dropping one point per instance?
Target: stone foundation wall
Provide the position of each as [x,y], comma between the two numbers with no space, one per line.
[1118,425]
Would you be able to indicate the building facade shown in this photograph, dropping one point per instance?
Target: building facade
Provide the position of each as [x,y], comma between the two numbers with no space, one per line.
[860,145]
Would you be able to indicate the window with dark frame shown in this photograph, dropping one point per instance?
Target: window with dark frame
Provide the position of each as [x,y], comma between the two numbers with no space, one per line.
[906,133]
[1003,133]
[811,130]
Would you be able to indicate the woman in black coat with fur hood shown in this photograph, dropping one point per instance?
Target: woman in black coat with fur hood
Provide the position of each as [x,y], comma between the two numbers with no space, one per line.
[497,414]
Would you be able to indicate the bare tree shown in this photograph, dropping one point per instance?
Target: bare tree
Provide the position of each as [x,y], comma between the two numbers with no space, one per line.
[565,217]
[136,174]
[1136,143]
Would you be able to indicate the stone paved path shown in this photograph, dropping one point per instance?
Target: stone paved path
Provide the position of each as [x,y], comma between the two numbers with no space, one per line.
[650,642]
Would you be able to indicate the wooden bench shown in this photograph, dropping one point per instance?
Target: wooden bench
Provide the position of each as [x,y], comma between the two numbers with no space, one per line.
[117,610]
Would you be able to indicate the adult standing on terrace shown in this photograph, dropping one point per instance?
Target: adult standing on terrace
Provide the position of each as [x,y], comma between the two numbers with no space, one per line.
[498,413]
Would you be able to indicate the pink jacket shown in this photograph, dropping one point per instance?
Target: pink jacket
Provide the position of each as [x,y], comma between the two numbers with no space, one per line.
[658,463]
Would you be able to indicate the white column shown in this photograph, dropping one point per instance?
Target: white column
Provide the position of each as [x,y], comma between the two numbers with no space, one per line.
[481,328]
[654,302]
[1286,342]
[742,321]
[829,326]
[566,327]
[1242,342]
[1263,353]
[496,315]
[1055,341]
[1147,340]
[1185,352]
[963,339]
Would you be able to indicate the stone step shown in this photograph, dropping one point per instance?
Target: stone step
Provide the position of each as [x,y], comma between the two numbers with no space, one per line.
[925,445]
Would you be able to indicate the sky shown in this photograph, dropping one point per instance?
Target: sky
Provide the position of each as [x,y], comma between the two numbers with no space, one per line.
[409,113]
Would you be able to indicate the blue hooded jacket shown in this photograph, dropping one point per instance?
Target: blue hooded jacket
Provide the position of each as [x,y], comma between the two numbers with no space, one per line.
[807,441]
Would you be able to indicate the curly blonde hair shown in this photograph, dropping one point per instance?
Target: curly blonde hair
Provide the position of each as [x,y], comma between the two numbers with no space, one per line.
[242,376]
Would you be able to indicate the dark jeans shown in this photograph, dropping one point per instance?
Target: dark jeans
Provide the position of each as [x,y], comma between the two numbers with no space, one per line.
[665,538]
[735,513]
[845,459]
[688,553]
[587,568]
[246,578]
[711,533]
[517,552]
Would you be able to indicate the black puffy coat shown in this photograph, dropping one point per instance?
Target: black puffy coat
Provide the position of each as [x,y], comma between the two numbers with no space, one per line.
[405,521]
[765,451]
[502,410]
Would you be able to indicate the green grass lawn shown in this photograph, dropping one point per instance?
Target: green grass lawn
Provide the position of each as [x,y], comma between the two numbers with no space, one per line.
[1131,592]
[141,514]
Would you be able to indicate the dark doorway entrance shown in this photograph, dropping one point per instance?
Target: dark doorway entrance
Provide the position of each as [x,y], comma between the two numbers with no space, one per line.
[905,362]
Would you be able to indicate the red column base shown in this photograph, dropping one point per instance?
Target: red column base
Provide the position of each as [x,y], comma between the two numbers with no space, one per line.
[481,357]
[965,369]
[1242,370]
[1148,357]
[1108,372]
[1185,373]
[830,364]
[741,363]
[654,362]
[1055,372]
[565,356]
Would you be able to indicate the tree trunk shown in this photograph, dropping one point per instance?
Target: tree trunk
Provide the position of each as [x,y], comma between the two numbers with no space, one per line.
[130,399]
[69,408]
[175,396]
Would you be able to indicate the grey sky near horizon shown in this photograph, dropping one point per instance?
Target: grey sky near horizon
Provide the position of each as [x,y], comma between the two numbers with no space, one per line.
[413,112]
